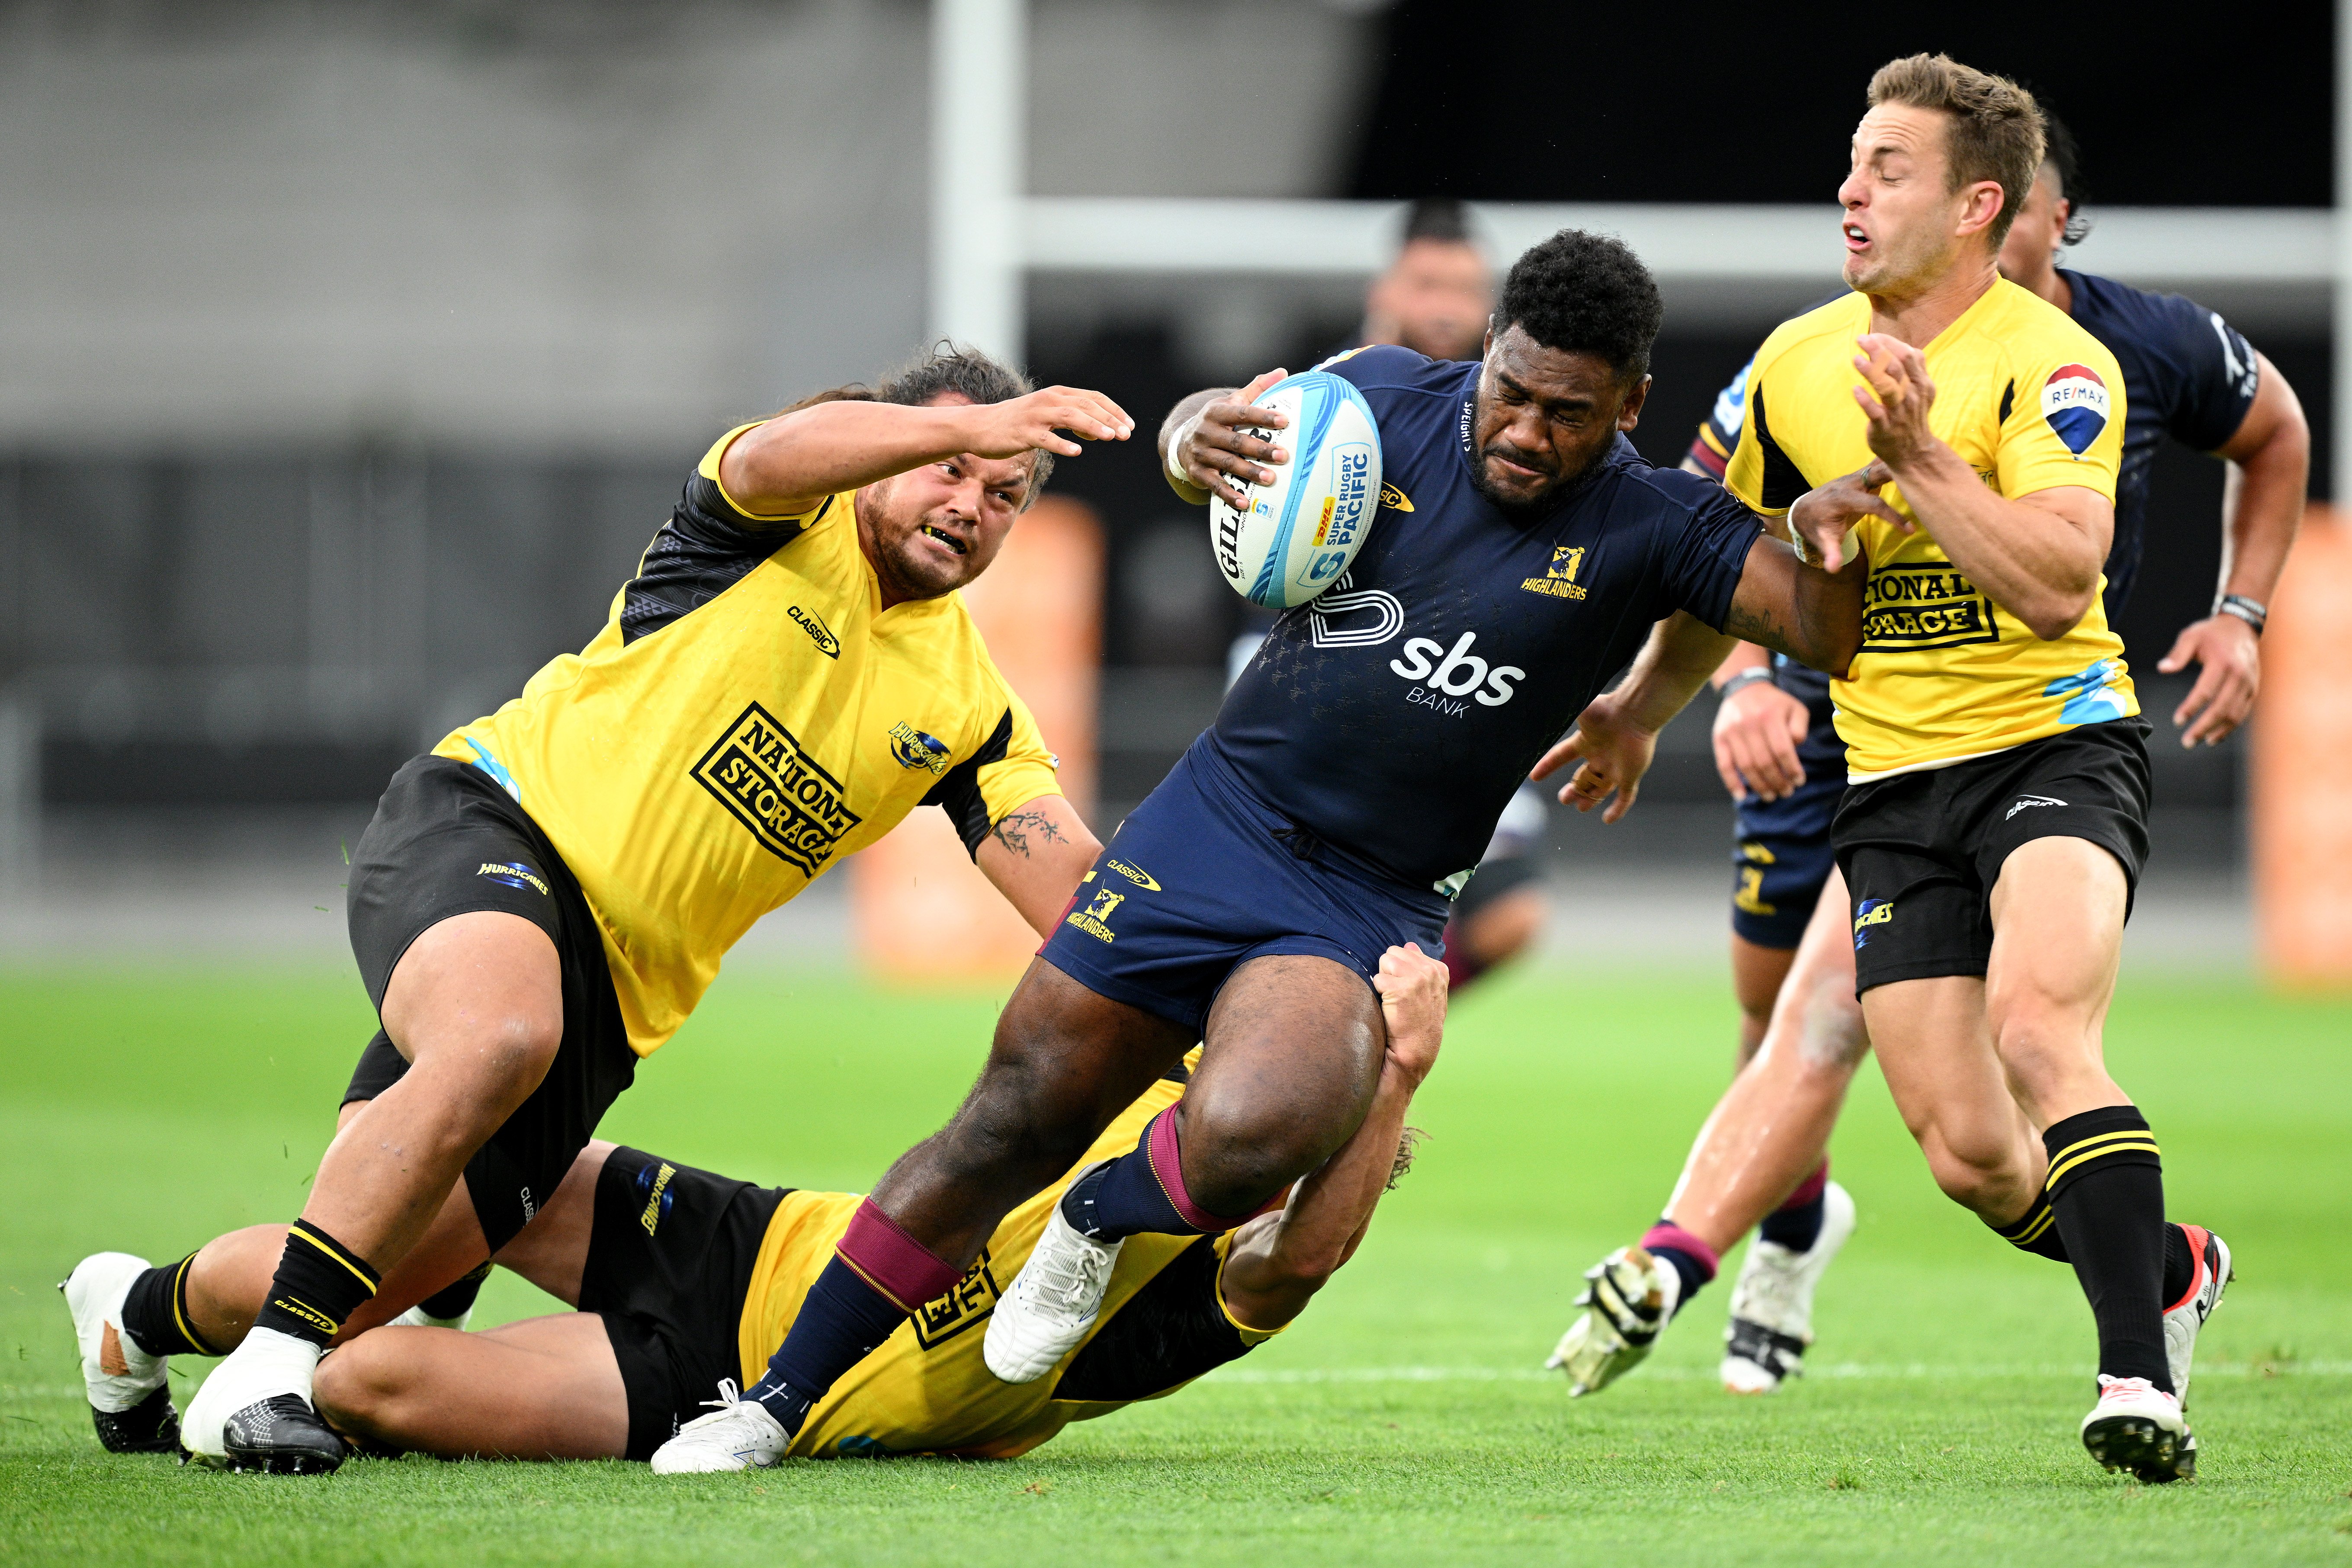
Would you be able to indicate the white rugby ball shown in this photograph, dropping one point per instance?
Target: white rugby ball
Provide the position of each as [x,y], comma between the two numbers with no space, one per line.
[1301,532]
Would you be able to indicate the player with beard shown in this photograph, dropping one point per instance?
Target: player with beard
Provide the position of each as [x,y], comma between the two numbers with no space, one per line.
[2189,376]
[1341,798]
[541,900]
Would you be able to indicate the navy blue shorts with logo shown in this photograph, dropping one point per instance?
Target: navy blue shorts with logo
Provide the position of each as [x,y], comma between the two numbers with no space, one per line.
[1204,877]
[1922,851]
[1781,856]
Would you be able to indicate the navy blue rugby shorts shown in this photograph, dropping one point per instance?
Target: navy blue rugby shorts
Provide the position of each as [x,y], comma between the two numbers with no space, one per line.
[1204,877]
[1780,853]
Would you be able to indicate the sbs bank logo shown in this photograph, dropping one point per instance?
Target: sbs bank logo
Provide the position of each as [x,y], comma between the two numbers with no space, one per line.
[1459,674]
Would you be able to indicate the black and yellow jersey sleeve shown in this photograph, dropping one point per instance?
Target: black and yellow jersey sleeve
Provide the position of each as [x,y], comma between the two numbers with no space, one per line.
[1011,769]
[708,544]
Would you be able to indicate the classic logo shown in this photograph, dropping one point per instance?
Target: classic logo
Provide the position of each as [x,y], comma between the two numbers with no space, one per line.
[1140,877]
[1095,919]
[1560,583]
[2074,402]
[968,1301]
[1925,604]
[914,749]
[819,633]
[513,874]
[654,1185]
[792,806]
[1460,674]
[1393,497]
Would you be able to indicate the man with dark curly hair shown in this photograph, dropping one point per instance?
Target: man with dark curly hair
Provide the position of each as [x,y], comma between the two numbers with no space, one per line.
[1520,556]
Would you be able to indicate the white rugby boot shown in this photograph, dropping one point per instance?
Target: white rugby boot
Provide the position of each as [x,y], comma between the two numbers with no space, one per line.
[1052,1302]
[1772,1302]
[738,1435]
[253,1413]
[130,1393]
[2137,1427]
[2185,1317]
[1629,1296]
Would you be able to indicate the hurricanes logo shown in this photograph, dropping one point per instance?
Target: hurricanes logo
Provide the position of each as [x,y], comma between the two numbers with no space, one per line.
[654,1185]
[968,1301]
[819,633]
[1560,583]
[1095,919]
[1870,912]
[914,749]
[792,806]
[513,874]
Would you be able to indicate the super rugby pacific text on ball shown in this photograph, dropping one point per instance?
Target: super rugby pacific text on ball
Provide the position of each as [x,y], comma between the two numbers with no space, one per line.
[1301,532]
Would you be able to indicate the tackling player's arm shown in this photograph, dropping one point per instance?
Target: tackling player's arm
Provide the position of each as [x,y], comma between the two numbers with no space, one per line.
[1277,1262]
[788,465]
[2038,555]
[1206,445]
[2262,509]
[1036,855]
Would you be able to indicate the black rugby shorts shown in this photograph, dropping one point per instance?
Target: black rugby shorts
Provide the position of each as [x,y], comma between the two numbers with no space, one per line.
[1922,851]
[447,841]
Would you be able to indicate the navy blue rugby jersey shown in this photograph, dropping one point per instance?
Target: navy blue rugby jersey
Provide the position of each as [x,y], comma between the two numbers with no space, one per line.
[2188,373]
[1393,715]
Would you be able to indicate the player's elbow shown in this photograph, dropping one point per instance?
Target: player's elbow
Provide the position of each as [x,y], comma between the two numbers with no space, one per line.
[2059,612]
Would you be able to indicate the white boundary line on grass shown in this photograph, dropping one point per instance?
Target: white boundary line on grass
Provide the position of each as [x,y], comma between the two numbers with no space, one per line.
[1896,1370]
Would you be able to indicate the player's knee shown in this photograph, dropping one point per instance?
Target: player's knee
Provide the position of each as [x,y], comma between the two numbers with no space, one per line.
[1237,1156]
[358,1384]
[1976,1175]
[1834,1036]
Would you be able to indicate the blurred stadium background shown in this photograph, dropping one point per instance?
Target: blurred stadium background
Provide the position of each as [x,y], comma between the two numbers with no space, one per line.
[350,353]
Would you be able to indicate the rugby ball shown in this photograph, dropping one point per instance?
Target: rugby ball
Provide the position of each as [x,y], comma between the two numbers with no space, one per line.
[1301,532]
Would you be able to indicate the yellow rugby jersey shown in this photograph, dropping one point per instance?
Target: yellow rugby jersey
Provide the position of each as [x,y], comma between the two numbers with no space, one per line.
[927,1390]
[2031,402]
[749,715]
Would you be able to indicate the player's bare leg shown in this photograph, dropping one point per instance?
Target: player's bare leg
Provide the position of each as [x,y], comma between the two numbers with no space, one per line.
[1769,1134]
[1293,1056]
[1757,971]
[2004,1083]
[476,1006]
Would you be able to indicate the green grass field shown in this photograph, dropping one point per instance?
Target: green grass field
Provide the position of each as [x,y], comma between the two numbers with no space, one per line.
[1403,1420]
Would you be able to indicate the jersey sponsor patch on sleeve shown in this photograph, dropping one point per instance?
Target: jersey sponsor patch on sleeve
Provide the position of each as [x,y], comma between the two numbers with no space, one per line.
[2076,404]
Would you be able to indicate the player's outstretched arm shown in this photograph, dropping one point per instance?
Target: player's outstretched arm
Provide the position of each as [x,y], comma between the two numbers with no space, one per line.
[1812,615]
[1278,1261]
[2262,510]
[1206,445]
[1036,855]
[794,460]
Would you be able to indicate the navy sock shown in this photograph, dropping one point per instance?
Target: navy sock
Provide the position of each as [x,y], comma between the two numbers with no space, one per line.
[841,1323]
[1690,1258]
[1694,1274]
[1795,1228]
[1121,1199]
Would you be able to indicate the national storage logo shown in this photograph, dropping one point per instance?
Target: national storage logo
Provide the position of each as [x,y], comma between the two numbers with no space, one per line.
[1927,604]
[792,806]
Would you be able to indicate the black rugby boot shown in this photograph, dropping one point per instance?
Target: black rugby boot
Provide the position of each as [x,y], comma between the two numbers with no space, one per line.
[150,1426]
[281,1435]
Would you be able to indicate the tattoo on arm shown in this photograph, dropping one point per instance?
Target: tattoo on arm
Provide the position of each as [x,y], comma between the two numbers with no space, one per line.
[1013,831]
[1756,624]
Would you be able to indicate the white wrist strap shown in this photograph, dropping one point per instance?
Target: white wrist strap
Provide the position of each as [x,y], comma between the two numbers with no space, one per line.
[1175,445]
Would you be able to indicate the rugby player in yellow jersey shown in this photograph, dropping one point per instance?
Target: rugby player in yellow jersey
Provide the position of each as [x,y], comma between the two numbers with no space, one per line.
[541,902]
[1995,822]
[683,1280]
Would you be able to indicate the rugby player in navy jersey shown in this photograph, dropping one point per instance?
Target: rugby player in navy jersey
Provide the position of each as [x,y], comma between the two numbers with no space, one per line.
[2188,375]
[1351,779]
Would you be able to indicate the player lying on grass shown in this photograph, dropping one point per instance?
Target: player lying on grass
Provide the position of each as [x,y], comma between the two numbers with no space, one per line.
[683,1280]
[541,902]
[1995,823]
[1762,1154]
[1351,780]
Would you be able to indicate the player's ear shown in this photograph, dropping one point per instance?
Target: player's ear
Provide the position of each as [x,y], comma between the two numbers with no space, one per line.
[1630,413]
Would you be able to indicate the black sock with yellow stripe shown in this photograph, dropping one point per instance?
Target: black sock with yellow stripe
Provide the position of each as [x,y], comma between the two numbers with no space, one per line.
[156,1312]
[2037,1233]
[2106,1189]
[319,1283]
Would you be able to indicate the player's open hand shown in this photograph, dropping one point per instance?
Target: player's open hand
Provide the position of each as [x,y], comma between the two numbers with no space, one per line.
[1611,752]
[1228,445]
[1412,987]
[1035,423]
[2229,673]
[1896,398]
[1756,730]
[1822,522]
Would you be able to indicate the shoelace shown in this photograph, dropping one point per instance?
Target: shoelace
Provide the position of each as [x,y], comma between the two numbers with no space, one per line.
[729,1395]
[2124,1387]
[1087,1278]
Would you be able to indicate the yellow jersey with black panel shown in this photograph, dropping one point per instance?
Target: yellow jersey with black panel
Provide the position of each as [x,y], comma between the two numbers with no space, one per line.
[927,1390]
[2031,402]
[748,716]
